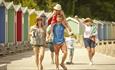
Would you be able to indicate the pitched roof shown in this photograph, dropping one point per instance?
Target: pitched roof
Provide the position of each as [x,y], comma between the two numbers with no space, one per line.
[24,9]
[9,5]
[69,18]
[31,11]
[2,2]
[17,7]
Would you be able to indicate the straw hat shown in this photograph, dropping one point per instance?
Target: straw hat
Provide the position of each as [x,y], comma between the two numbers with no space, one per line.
[57,7]
[88,20]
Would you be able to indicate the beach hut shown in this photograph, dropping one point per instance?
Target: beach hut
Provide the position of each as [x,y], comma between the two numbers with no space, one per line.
[18,23]
[112,34]
[10,26]
[105,30]
[25,23]
[2,21]
[77,29]
[10,22]
[32,16]
[101,31]
[18,27]
[74,24]
[113,30]
[2,27]
[25,27]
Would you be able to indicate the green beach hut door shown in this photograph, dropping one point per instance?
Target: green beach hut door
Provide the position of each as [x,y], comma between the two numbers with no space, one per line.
[11,25]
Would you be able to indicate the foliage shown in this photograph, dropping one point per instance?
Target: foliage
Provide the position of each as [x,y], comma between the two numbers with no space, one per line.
[99,9]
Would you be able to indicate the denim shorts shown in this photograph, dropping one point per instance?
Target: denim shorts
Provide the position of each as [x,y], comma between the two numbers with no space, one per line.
[89,43]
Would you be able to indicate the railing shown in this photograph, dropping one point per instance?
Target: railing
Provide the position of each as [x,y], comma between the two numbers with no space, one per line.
[106,47]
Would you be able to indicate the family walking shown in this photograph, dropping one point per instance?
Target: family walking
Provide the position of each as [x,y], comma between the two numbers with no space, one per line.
[52,33]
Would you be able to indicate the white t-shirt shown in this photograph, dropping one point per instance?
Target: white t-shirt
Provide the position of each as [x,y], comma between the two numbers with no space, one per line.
[87,31]
[70,41]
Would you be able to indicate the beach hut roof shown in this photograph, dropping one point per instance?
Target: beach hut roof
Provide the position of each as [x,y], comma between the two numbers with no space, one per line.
[41,12]
[102,22]
[37,12]
[2,2]
[17,7]
[47,13]
[9,5]
[69,18]
[32,11]
[24,9]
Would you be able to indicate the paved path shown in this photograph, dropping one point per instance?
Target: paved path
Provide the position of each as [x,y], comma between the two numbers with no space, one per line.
[25,61]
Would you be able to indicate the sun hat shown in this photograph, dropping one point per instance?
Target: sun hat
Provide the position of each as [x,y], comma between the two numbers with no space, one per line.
[57,7]
[88,20]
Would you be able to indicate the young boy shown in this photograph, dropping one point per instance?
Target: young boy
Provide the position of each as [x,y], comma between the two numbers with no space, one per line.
[59,41]
[70,44]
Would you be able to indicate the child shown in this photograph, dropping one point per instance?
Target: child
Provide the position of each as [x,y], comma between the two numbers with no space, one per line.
[38,36]
[70,44]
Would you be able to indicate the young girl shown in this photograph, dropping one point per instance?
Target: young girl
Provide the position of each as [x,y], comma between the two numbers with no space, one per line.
[37,34]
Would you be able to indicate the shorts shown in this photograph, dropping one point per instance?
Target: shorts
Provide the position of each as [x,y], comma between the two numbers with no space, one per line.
[50,46]
[37,45]
[62,46]
[89,43]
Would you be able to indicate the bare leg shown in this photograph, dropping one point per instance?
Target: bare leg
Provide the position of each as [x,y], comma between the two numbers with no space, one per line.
[41,56]
[64,50]
[52,57]
[56,49]
[36,50]
[93,52]
[89,53]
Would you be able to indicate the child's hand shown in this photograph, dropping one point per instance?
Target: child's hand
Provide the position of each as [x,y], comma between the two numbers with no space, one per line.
[70,33]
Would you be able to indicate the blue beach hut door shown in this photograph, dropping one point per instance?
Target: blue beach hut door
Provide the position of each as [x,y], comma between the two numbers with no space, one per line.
[2,24]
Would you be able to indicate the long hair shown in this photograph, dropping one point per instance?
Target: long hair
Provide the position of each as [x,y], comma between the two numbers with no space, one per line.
[39,19]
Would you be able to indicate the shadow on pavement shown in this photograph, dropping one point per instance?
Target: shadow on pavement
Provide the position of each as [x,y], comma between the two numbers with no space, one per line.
[18,56]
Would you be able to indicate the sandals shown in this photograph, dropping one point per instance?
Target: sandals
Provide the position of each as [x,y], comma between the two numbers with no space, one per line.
[63,66]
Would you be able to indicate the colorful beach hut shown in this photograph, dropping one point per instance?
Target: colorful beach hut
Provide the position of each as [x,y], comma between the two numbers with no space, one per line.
[74,24]
[10,22]
[32,17]
[18,23]
[113,31]
[2,21]
[25,23]
[104,30]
